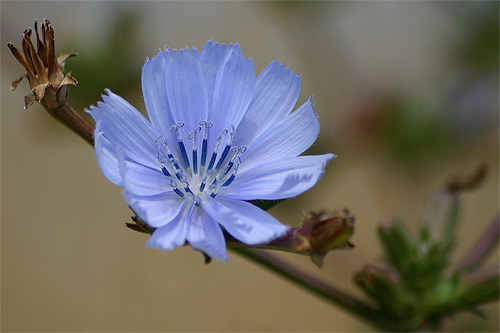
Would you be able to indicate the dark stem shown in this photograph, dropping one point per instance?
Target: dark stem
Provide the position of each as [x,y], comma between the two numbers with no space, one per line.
[320,288]
[72,119]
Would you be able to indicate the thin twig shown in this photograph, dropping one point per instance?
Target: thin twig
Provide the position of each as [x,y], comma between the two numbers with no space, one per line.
[320,288]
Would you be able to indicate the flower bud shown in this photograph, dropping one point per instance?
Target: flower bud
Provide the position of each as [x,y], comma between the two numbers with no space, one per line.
[324,231]
[399,246]
[385,287]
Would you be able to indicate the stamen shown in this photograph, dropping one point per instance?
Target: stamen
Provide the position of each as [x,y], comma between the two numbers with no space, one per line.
[228,146]
[162,161]
[223,157]
[192,136]
[165,172]
[235,164]
[175,130]
[219,139]
[188,190]
[179,192]
[184,154]
[216,177]
[229,180]
[216,149]
[195,161]
[207,125]
[204,152]
[213,188]
[212,161]
[176,190]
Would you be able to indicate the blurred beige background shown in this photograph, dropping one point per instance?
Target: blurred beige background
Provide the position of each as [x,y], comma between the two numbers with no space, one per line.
[405,99]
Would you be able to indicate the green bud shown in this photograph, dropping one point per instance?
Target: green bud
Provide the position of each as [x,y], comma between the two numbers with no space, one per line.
[399,245]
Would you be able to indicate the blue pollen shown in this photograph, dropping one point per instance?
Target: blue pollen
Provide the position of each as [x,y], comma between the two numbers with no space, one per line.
[202,187]
[204,152]
[223,157]
[184,154]
[188,190]
[179,192]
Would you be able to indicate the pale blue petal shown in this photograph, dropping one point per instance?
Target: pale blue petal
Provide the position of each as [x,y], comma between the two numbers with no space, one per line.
[244,221]
[276,92]
[154,90]
[139,179]
[186,89]
[279,180]
[286,139]
[106,157]
[233,91]
[211,58]
[205,234]
[171,235]
[156,210]
[126,127]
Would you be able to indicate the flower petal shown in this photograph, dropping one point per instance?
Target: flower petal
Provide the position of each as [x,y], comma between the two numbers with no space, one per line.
[211,58]
[139,179]
[106,157]
[154,90]
[156,210]
[233,91]
[186,89]
[205,234]
[244,221]
[286,139]
[279,180]
[276,92]
[172,234]
[124,126]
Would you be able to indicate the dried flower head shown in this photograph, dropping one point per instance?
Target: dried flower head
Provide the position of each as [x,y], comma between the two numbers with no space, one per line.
[45,72]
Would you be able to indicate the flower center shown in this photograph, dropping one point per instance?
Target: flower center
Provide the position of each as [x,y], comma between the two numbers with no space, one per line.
[192,177]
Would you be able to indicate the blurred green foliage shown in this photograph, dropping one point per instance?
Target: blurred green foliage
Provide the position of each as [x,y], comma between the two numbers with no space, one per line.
[416,287]
[109,62]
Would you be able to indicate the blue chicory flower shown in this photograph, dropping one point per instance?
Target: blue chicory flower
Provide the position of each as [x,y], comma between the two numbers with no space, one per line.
[218,136]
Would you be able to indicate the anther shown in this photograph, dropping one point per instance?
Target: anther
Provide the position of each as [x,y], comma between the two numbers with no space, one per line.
[175,130]
[207,125]
[176,190]
[223,157]
[229,180]
[212,161]
[179,192]
[165,172]
[192,136]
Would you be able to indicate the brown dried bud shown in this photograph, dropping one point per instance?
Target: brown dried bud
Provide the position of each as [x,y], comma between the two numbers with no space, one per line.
[324,231]
[45,72]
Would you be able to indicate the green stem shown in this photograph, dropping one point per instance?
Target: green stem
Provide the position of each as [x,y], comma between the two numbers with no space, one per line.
[320,288]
